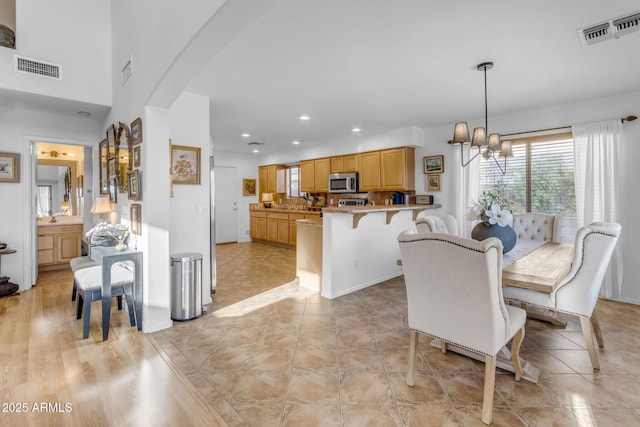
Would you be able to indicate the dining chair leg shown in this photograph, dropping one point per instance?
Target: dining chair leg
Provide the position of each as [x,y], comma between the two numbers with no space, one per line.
[489,388]
[413,345]
[119,298]
[87,316]
[443,347]
[585,322]
[595,323]
[74,291]
[79,307]
[132,313]
[515,353]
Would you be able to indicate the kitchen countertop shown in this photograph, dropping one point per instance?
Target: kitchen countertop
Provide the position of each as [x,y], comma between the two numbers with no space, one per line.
[60,220]
[378,208]
[283,210]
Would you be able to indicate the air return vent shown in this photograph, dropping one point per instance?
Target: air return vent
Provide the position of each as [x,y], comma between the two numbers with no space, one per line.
[613,28]
[31,66]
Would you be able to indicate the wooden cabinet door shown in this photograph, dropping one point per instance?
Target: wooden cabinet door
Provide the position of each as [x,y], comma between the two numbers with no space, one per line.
[398,169]
[350,163]
[369,171]
[262,181]
[307,176]
[283,231]
[337,164]
[272,229]
[321,178]
[45,250]
[258,225]
[68,247]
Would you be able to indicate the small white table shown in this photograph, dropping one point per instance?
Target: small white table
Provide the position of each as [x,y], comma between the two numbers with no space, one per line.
[107,256]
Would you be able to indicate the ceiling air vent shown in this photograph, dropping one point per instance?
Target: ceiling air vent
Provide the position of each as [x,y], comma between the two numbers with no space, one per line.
[612,28]
[26,65]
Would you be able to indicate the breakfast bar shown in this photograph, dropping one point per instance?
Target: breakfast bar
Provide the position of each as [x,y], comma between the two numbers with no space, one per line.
[360,247]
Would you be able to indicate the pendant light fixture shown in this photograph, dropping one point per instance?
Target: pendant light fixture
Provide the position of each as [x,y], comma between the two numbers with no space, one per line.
[493,146]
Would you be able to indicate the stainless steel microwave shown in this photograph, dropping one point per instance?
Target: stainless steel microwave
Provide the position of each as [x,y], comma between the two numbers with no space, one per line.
[348,182]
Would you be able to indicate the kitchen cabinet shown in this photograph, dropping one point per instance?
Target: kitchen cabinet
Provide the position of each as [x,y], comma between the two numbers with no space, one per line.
[57,245]
[369,171]
[314,175]
[397,168]
[278,227]
[347,163]
[271,179]
[258,225]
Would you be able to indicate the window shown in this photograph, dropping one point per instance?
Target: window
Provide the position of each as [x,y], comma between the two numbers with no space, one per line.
[292,176]
[539,175]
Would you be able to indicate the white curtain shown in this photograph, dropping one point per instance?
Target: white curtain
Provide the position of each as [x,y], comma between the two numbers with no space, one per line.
[468,179]
[598,152]
[44,199]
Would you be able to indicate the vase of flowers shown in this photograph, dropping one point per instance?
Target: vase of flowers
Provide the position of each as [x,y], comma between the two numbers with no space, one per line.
[493,210]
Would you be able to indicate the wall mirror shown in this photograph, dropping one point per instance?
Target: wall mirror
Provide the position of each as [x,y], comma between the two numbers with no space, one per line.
[123,155]
[56,185]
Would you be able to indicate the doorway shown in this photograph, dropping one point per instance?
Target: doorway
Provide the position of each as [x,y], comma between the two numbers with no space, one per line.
[226,204]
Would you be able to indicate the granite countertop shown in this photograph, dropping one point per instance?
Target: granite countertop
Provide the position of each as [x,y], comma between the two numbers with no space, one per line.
[380,208]
[283,210]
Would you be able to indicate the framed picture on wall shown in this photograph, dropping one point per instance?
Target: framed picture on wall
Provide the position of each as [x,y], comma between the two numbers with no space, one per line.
[9,167]
[133,185]
[248,187]
[136,218]
[433,182]
[136,131]
[434,164]
[136,156]
[185,165]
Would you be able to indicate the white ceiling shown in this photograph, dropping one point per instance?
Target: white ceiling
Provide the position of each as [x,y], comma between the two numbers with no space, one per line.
[387,64]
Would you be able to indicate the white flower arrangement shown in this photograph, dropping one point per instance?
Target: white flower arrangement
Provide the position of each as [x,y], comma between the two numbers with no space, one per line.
[492,207]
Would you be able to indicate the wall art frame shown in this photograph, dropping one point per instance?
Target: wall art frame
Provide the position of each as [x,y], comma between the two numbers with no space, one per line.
[133,185]
[433,164]
[136,131]
[248,187]
[10,167]
[135,211]
[185,165]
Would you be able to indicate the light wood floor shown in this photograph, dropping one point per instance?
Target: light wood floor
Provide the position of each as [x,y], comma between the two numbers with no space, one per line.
[49,375]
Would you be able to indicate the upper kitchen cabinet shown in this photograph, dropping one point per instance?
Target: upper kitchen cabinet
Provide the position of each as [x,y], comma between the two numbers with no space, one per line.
[369,171]
[314,175]
[398,169]
[271,179]
[347,163]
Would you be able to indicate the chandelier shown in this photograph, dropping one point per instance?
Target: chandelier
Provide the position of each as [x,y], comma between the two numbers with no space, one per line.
[493,146]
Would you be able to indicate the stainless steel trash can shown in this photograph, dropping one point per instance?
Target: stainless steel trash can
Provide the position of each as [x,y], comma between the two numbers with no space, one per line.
[186,286]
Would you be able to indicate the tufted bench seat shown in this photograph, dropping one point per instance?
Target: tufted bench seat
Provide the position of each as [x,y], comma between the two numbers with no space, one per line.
[533,226]
[89,283]
[77,264]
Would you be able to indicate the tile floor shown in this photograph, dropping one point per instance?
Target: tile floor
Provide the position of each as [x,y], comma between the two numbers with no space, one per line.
[269,353]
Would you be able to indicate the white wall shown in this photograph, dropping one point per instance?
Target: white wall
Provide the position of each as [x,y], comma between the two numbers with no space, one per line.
[247,166]
[75,34]
[17,128]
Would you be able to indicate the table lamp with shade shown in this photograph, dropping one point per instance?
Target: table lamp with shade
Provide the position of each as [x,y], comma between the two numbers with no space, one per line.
[101,205]
[267,199]
[65,208]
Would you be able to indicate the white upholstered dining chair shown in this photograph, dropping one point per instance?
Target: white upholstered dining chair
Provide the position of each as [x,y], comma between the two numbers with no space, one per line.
[577,293]
[535,226]
[461,306]
[436,224]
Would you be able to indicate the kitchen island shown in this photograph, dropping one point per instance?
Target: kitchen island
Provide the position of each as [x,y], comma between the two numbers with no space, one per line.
[360,246]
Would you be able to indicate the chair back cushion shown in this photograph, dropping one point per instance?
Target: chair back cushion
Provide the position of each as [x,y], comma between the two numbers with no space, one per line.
[454,289]
[533,226]
[578,292]
[436,224]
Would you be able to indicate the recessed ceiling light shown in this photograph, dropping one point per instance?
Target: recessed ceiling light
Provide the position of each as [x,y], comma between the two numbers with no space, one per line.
[245,135]
[256,150]
[304,117]
[84,113]
[296,142]
[356,129]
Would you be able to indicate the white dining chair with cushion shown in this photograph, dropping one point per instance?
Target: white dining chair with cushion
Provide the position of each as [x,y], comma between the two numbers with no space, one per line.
[461,306]
[577,293]
[534,226]
[436,224]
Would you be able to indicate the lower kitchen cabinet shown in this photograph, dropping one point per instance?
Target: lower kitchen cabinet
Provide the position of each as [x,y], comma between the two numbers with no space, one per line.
[277,227]
[258,225]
